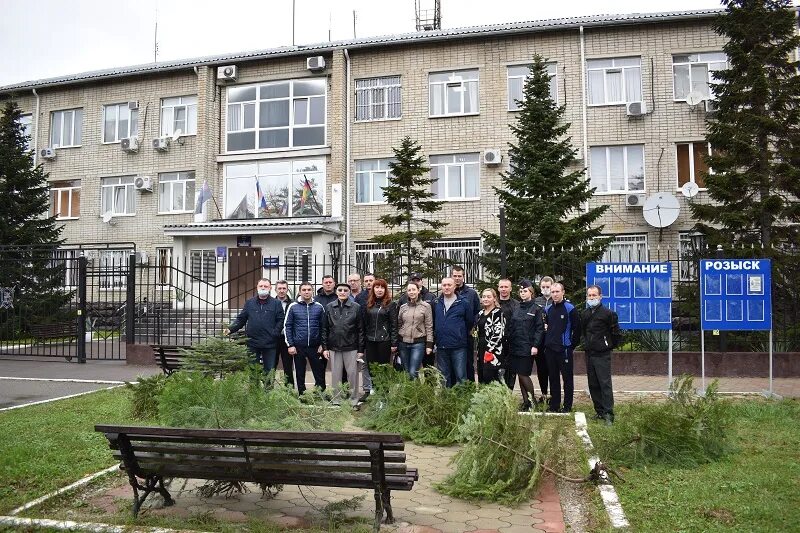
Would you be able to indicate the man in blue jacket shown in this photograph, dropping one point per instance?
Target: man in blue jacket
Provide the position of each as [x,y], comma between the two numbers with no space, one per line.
[303,330]
[262,320]
[562,334]
[452,322]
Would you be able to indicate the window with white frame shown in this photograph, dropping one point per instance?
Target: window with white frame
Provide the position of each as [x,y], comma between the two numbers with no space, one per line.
[281,114]
[179,114]
[453,93]
[293,261]
[627,249]
[517,74]
[119,122]
[267,189]
[65,128]
[695,72]
[66,264]
[65,199]
[203,265]
[690,245]
[378,98]
[176,192]
[118,196]
[164,265]
[457,176]
[113,269]
[371,176]
[369,256]
[691,162]
[464,252]
[26,121]
[614,81]
[617,169]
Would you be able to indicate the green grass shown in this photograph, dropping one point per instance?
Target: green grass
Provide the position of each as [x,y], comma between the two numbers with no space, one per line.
[754,488]
[45,447]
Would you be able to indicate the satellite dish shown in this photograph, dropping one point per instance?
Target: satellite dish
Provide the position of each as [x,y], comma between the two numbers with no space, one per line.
[690,189]
[108,217]
[694,98]
[661,209]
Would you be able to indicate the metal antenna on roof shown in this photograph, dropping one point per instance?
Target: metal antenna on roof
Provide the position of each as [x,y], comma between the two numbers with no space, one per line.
[354,24]
[155,37]
[293,12]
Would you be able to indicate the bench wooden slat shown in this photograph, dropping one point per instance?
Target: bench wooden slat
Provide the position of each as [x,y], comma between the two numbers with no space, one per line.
[299,438]
[259,453]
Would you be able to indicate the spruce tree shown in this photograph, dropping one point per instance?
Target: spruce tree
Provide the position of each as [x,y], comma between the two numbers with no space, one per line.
[409,194]
[28,236]
[548,231]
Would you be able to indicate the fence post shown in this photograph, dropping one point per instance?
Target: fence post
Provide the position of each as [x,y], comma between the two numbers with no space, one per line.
[82,261]
[502,216]
[130,301]
[723,335]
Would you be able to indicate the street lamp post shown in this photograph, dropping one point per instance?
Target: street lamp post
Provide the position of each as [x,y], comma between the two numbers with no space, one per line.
[502,217]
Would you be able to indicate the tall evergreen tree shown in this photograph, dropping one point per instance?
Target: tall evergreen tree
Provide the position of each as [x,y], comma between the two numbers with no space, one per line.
[548,231]
[754,183]
[409,194]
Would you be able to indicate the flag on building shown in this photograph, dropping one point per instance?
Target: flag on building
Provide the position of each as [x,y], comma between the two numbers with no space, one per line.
[202,198]
[262,200]
[307,192]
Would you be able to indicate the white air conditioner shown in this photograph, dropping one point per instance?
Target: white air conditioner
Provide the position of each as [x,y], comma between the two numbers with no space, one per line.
[711,106]
[133,105]
[635,199]
[635,109]
[315,63]
[492,156]
[227,73]
[130,144]
[161,143]
[48,153]
[143,183]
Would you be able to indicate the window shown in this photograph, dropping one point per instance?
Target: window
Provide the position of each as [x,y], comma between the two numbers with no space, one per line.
[617,169]
[627,249]
[516,80]
[457,176]
[274,115]
[267,189]
[466,253]
[114,269]
[119,122]
[695,72]
[690,244]
[176,192]
[66,263]
[65,128]
[614,81]
[692,162]
[371,176]
[164,265]
[179,114]
[378,98]
[293,261]
[453,93]
[65,199]
[118,196]
[203,265]
[26,121]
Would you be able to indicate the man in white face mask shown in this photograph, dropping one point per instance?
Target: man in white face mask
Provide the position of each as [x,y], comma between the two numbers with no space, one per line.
[544,299]
[601,334]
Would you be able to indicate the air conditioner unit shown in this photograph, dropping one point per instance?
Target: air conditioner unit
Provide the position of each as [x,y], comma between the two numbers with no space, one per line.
[130,144]
[492,156]
[161,143]
[635,199]
[227,73]
[143,183]
[635,109]
[133,105]
[711,106]
[48,153]
[315,63]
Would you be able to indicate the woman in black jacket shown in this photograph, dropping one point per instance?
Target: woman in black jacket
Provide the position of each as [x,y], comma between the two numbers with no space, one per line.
[524,331]
[380,330]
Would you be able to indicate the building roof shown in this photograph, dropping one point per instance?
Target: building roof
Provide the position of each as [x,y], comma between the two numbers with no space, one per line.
[324,224]
[373,42]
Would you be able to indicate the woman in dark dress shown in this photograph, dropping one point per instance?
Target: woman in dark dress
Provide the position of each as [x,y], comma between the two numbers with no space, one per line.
[524,331]
[490,325]
[380,330]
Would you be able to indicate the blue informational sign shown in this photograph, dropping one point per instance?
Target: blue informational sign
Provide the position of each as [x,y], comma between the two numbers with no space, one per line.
[736,294]
[640,293]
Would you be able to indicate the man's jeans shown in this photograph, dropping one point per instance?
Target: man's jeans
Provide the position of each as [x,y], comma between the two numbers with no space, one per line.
[308,354]
[452,363]
[411,354]
[267,357]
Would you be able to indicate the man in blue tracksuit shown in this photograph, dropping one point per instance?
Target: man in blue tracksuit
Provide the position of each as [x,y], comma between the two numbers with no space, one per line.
[262,319]
[562,335]
[452,322]
[303,331]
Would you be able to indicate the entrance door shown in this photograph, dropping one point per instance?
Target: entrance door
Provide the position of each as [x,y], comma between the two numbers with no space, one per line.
[244,271]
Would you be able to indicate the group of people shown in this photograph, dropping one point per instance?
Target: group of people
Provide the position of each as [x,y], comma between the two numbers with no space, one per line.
[494,335]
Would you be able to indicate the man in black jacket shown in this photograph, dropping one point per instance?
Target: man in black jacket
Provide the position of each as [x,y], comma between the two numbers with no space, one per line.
[562,334]
[601,334]
[509,304]
[343,340]
[262,317]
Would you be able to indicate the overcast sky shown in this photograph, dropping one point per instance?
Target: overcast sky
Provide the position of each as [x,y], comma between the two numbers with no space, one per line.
[46,38]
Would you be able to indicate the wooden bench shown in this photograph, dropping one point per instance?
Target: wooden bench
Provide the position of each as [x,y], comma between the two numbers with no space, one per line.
[357,460]
[169,357]
[54,330]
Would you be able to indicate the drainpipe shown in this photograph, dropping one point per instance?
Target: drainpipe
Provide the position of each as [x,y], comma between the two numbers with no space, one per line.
[583,103]
[347,154]
[36,129]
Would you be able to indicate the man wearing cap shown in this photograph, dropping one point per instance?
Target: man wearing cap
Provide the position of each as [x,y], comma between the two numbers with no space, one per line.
[343,340]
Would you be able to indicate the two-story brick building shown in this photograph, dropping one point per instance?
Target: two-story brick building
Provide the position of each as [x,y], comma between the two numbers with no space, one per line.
[292,144]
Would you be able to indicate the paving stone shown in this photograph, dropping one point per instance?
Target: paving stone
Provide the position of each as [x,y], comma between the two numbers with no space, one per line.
[422,509]
[547,506]
[290,521]
[552,527]
[224,515]
[520,529]
[519,519]
[409,528]
[549,516]
[427,520]
[487,523]
[490,512]
[457,516]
